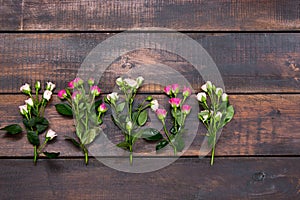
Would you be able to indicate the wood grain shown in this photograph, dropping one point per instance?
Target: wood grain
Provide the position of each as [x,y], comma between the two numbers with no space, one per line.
[263,125]
[195,15]
[231,178]
[248,62]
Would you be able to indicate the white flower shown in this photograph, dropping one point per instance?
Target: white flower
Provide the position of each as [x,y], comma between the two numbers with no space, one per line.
[50,86]
[201,97]
[47,95]
[119,81]
[206,86]
[218,116]
[204,115]
[131,83]
[139,80]
[112,96]
[154,105]
[219,92]
[25,88]
[129,126]
[23,109]
[29,102]
[51,134]
[224,97]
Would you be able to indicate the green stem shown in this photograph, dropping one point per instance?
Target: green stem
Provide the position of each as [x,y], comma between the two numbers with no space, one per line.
[39,150]
[35,154]
[212,156]
[168,136]
[86,154]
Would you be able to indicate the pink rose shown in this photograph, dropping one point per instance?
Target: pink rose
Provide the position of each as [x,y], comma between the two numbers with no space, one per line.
[95,90]
[175,88]
[62,94]
[186,91]
[175,102]
[102,108]
[186,109]
[161,113]
[167,89]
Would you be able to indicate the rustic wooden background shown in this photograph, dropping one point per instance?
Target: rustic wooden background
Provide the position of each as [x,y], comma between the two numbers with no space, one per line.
[255,44]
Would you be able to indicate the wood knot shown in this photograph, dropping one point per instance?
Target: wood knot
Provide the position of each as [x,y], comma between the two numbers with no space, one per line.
[258,176]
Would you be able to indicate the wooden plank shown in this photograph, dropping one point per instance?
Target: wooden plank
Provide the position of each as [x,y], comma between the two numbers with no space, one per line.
[248,62]
[231,178]
[263,125]
[11,15]
[195,15]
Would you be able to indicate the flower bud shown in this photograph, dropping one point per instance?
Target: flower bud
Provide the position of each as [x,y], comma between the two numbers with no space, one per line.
[129,126]
[102,108]
[119,81]
[149,98]
[154,105]
[167,89]
[186,109]
[23,109]
[50,134]
[47,95]
[29,102]
[218,116]
[203,115]
[25,88]
[175,88]
[131,83]
[62,94]
[207,86]
[76,96]
[50,86]
[186,91]
[112,97]
[219,92]
[201,97]
[37,85]
[95,90]
[91,81]
[139,80]
[175,102]
[224,97]
[161,113]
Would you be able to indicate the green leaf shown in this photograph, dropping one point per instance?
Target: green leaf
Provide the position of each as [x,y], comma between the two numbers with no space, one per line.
[64,109]
[151,134]
[41,124]
[74,141]
[51,154]
[33,138]
[134,116]
[29,124]
[12,129]
[162,144]
[89,136]
[142,118]
[178,142]
[123,145]
[120,107]
[229,114]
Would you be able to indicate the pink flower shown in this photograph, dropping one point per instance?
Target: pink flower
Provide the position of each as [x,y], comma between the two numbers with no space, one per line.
[71,84]
[91,81]
[102,108]
[75,83]
[161,113]
[186,91]
[62,94]
[175,102]
[175,88]
[167,89]
[95,90]
[76,96]
[186,109]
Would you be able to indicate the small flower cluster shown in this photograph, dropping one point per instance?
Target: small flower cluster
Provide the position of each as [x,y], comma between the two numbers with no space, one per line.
[179,112]
[128,119]
[34,120]
[82,104]
[216,115]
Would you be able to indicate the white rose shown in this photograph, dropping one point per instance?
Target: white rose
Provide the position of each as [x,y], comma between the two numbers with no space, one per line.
[47,95]
[23,109]
[25,88]
[154,105]
[50,86]
[140,80]
[29,102]
[224,97]
[51,134]
[204,114]
[131,83]
[119,81]
[113,96]
[201,97]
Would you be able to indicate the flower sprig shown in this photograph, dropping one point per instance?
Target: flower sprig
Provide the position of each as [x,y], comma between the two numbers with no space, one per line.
[179,112]
[129,119]
[33,119]
[216,114]
[88,113]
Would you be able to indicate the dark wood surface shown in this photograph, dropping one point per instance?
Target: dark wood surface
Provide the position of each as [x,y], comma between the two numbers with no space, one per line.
[195,15]
[256,46]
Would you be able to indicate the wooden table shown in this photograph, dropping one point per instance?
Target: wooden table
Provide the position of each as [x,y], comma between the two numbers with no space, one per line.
[256,46]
